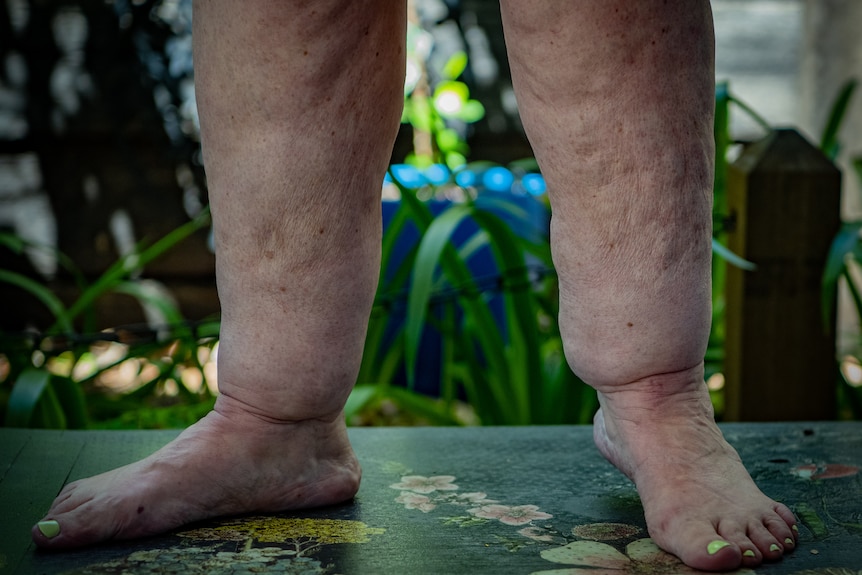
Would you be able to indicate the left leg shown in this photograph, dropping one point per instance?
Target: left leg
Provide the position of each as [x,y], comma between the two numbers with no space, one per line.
[617,99]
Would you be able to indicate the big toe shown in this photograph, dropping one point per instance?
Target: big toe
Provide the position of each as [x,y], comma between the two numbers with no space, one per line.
[64,532]
[704,548]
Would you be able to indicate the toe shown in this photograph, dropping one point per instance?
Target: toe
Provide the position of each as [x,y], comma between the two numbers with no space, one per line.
[769,546]
[782,529]
[704,548]
[751,555]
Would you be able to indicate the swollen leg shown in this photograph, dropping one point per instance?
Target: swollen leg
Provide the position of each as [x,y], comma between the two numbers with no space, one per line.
[299,105]
[621,125]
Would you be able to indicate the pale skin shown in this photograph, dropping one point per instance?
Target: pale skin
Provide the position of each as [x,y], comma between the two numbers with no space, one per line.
[300,103]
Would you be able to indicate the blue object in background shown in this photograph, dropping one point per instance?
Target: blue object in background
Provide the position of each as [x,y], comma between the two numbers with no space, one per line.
[498,179]
[534,184]
[466,178]
[437,174]
[481,265]
[408,176]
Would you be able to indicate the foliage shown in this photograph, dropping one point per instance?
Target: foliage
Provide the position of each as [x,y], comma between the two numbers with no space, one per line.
[724,99]
[439,113]
[844,262]
[510,366]
[52,379]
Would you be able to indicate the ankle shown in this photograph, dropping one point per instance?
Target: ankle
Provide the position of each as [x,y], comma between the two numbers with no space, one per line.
[242,413]
[663,393]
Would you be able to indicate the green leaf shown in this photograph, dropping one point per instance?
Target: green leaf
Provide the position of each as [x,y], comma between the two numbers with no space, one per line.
[420,114]
[26,393]
[844,243]
[43,294]
[13,241]
[455,160]
[731,257]
[448,139]
[829,144]
[758,119]
[458,90]
[125,266]
[49,412]
[431,247]
[472,111]
[359,397]
[71,398]
[455,66]
[429,408]
[149,296]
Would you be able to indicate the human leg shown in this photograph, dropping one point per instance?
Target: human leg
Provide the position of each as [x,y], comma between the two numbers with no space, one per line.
[617,99]
[300,104]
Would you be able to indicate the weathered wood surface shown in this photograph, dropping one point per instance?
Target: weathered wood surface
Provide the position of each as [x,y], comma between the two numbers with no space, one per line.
[783,195]
[391,529]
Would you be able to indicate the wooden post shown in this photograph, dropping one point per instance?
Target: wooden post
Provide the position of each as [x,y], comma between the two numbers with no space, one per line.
[784,200]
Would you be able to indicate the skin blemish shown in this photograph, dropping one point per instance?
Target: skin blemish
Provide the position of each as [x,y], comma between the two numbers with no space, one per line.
[630,324]
[320,231]
[140,509]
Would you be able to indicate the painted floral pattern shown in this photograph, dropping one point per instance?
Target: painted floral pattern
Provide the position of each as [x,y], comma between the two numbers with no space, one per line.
[641,557]
[288,546]
[416,501]
[510,515]
[421,484]
[824,471]
[426,493]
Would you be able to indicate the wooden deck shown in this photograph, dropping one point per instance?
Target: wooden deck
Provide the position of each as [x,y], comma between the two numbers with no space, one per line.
[442,501]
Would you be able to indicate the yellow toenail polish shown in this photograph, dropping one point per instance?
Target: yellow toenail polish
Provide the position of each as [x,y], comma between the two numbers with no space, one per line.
[774,547]
[795,529]
[713,547]
[749,553]
[49,529]
[788,541]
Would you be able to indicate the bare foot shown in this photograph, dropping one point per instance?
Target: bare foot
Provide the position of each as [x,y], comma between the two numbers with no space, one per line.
[699,501]
[230,462]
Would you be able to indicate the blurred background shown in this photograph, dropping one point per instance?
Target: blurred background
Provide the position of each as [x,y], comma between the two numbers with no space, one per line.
[106,268]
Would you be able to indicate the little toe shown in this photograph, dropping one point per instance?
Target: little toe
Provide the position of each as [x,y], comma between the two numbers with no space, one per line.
[783,532]
[770,547]
[751,556]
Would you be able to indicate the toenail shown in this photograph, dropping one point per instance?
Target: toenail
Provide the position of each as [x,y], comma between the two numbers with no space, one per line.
[795,528]
[774,547]
[788,541]
[713,547]
[749,553]
[49,529]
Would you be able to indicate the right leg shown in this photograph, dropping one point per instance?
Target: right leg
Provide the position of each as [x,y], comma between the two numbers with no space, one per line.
[300,103]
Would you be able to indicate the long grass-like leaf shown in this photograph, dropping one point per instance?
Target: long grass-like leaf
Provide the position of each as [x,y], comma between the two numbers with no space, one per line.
[829,143]
[128,264]
[435,240]
[49,413]
[522,314]
[43,294]
[752,113]
[148,297]
[844,243]
[359,397]
[732,258]
[26,393]
[72,401]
